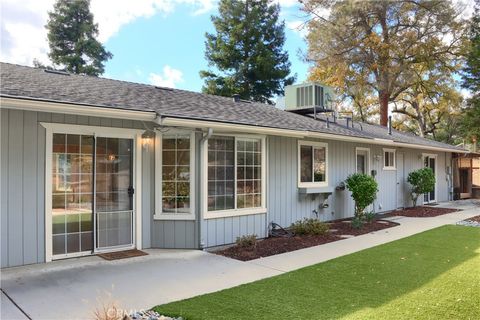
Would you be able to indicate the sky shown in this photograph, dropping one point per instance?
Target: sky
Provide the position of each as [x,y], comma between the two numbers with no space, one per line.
[160,42]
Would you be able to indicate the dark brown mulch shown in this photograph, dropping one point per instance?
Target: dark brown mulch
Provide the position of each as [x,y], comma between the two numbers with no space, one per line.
[272,246]
[421,212]
[476,219]
[345,227]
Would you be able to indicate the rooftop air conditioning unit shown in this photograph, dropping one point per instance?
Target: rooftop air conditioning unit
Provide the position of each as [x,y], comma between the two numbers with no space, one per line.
[308,98]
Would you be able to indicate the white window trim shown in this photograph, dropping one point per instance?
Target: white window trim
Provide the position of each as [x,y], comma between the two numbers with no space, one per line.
[96,131]
[435,156]
[394,167]
[234,212]
[357,149]
[312,184]
[159,215]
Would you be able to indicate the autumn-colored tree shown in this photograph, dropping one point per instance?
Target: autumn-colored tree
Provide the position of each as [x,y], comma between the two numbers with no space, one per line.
[430,106]
[373,48]
[470,120]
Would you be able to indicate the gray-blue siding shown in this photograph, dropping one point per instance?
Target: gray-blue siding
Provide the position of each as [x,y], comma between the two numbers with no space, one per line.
[22,191]
[23,183]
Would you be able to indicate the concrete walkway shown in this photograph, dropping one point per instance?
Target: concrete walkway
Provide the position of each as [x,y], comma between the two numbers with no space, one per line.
[75,288]
[408,226]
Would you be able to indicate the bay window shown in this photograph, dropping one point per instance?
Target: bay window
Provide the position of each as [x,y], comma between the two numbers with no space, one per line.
[312,164]
[235,174]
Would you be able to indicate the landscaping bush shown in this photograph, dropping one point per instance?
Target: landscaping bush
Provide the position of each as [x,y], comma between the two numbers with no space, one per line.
[309,227]
[422,181]
[357,223]
[370,216]
[247,241]
[364,189]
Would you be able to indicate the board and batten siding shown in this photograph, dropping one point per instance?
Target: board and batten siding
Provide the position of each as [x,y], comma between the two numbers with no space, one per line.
[285,205]
[23,182]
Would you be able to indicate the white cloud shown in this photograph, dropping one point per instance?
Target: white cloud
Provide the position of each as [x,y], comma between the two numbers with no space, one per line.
[23,33]
[169,77]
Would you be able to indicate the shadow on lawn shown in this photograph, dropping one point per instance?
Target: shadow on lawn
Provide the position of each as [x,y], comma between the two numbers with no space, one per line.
[343,286]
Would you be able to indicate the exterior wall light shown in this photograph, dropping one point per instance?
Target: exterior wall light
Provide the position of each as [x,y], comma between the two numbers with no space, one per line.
[147,138]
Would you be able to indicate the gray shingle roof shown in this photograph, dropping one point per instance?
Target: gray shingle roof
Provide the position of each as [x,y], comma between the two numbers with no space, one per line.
[34,83]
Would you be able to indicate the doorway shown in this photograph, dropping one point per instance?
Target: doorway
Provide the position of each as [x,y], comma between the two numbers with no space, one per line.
[90,193]
[430,161]
[400,181]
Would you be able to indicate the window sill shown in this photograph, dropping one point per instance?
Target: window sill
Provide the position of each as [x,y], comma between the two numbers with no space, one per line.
[389,168]
[174,216]
[304,185]
[316,190]
[233,213]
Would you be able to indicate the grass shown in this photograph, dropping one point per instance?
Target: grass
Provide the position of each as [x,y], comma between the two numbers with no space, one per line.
[432,275]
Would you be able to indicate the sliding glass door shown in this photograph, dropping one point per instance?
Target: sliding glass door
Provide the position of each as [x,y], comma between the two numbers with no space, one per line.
[92,194]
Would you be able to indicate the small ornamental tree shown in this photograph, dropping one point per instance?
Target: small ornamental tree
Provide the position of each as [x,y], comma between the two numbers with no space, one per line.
[422,181]
[364,190]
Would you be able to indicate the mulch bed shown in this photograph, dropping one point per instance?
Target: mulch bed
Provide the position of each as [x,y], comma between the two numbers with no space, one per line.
[421,212]
[475,219]
[272,246]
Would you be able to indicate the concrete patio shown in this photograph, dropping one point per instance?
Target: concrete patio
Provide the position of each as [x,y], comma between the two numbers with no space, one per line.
[74,288]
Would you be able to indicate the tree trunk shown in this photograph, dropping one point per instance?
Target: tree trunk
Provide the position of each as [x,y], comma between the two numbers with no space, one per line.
[383,109]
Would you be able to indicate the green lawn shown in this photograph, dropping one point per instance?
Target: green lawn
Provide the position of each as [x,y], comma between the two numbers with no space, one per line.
[432,275]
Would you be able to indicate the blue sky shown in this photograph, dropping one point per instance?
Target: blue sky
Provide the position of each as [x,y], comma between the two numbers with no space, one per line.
[148,45]
[157,42]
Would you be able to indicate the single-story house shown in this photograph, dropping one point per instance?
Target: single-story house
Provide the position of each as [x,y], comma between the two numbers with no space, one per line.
[93,165]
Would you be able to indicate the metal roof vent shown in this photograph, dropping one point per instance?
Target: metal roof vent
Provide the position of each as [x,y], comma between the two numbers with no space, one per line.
[236,97]
[62,72]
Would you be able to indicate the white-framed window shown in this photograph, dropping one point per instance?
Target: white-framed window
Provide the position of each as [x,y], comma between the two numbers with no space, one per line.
[389,159]
[174,175]
[235,176]
[362,160]
[312,164]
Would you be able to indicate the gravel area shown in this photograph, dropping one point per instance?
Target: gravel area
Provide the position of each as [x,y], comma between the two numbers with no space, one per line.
[471,222]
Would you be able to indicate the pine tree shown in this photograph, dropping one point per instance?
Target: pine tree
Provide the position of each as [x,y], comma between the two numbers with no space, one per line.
[72,38]
[470,122]
[247,51]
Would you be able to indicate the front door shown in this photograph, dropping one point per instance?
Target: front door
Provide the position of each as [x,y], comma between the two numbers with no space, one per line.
[430,162]
[92,194]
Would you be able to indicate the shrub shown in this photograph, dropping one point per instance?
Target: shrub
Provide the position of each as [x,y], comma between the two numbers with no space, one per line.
[364,189]
[357,223]
[310,227]
[370,216]
[247,241]
[422,181]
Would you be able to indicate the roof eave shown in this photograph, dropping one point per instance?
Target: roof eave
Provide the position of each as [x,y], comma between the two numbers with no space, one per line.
[39,105]
[234,127]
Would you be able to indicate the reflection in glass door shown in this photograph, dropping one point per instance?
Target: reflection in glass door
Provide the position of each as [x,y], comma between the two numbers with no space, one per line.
[429,162]
[114,193]
[92,194]
[72,190]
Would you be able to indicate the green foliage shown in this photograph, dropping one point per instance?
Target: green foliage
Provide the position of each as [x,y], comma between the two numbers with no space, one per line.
[72,38]
[247,51]
[357,223]
[470,122]
[364,189]
[422,181]
[373,51]
[370,216]
[430,275]
[247,241]
[309,227]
